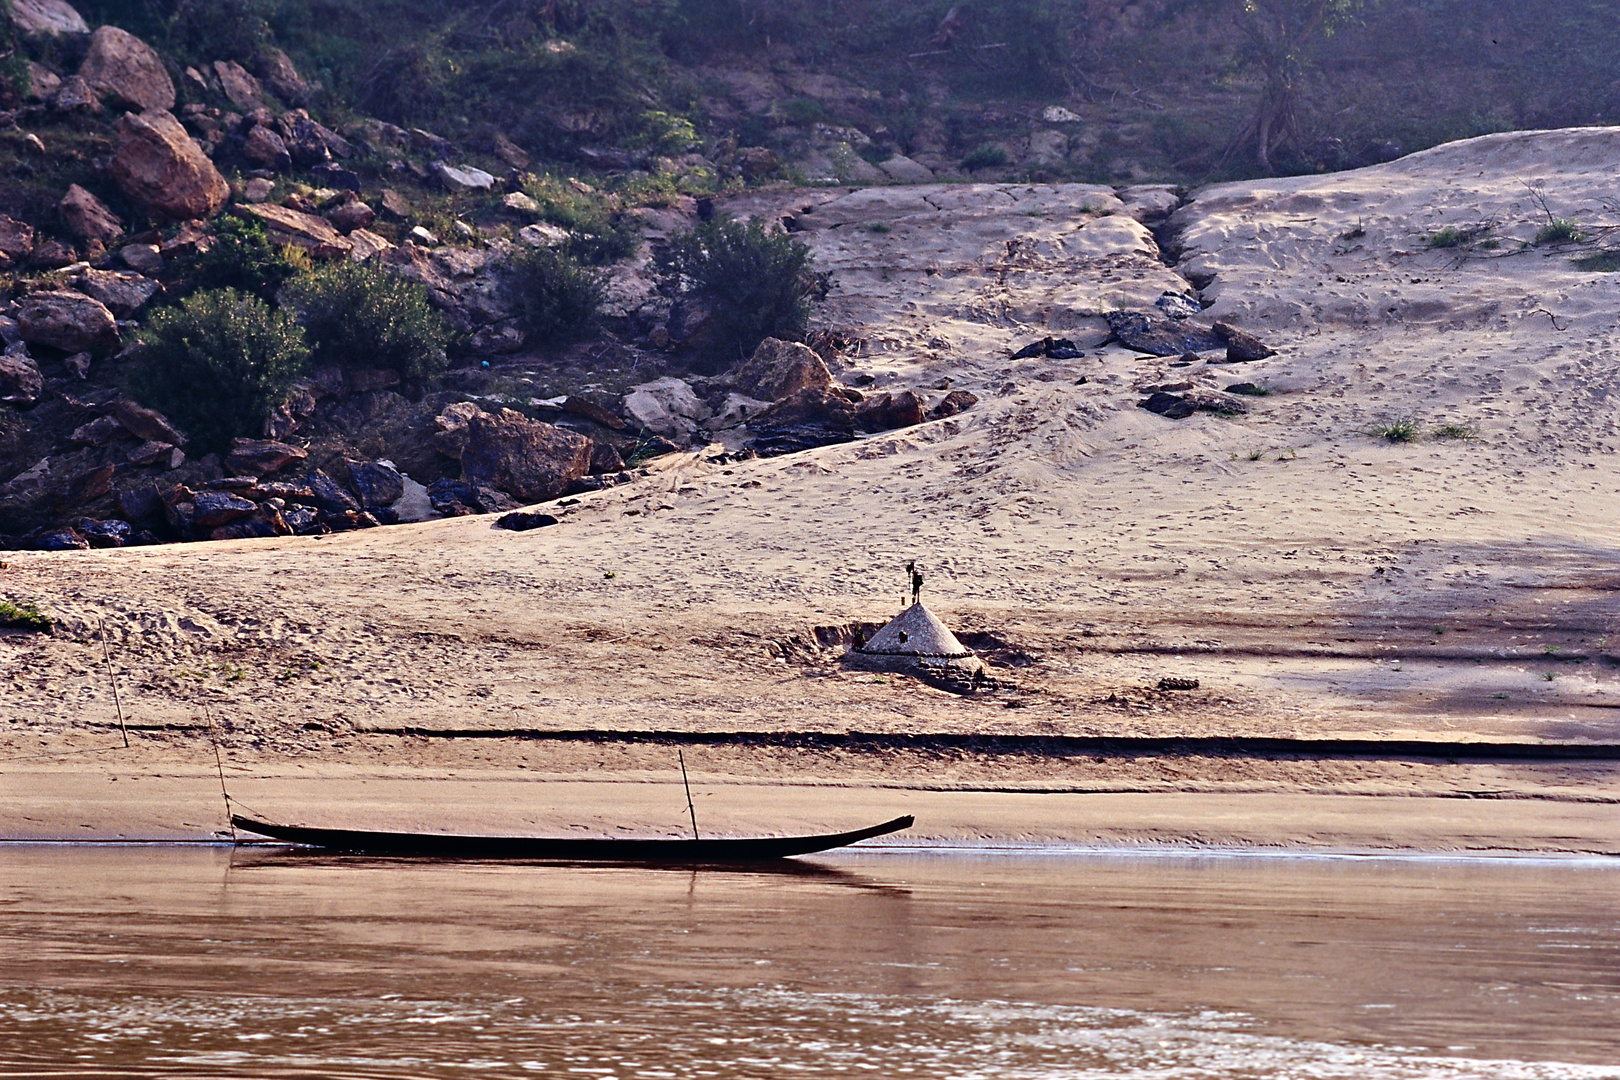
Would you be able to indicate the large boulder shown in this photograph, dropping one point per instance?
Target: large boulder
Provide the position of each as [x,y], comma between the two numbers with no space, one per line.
[666,406]
[122,67]
[241,88]
[20,380]
[87,217]
[123,293]
[158,165]
[378,483]
[47,17]
[814,416]
[66,320]
[277,70]
[887,411]
[779,368]
[532,460]
[288,226]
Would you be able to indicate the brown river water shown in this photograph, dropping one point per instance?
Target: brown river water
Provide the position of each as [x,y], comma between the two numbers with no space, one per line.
[149,961]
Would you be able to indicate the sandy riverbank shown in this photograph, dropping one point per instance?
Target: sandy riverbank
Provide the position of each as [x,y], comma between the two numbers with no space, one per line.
[1318,582]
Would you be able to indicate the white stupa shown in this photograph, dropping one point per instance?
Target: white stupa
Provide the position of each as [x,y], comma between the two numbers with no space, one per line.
[917,632]
[916,643]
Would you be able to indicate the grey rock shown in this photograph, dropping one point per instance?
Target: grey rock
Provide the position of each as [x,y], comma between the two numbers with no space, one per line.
[66,320]
[462,177]
[1159,336]
[21,384]
[142,258]
[123,293]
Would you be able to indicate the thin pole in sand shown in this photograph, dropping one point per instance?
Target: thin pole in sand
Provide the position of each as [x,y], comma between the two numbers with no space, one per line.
[230,818]
[689,808]
[118,705]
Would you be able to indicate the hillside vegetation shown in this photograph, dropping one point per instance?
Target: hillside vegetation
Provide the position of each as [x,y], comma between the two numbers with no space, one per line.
[1157,88]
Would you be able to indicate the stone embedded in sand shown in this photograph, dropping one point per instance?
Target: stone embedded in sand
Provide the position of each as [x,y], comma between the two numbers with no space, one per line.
[1241,346]
[957,401]
[126,69]
[779,368]
[1159,336]
[87,217]
[531,459]
[1168,405]
[521,522]
[887,411]
[66,320]
[159,166]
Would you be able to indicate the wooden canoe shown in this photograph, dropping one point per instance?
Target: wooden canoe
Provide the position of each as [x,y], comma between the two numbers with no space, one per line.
[564,849]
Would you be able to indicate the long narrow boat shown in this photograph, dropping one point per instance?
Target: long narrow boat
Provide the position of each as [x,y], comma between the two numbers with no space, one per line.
[564,849]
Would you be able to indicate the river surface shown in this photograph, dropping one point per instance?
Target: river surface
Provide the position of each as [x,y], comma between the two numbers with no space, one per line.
[146,961]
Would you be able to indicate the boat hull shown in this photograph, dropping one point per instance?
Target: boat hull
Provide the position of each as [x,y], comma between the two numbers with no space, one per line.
[564,849]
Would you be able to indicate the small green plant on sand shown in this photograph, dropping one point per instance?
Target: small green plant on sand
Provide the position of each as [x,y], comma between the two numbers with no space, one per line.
[1256,455]
[1456,431]
[1454,236]
[23,616]
[1399,430]
[1606,262]
[1560,231]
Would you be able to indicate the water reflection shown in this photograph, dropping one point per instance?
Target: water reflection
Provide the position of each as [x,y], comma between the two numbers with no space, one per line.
[187,962]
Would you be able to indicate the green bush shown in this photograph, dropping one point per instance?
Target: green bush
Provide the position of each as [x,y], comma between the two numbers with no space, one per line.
[217,364]
[363,316]
[554,298]
[757,282]
[1560,231]
[243,259]
[988,156]
[605,241]
[23,616]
